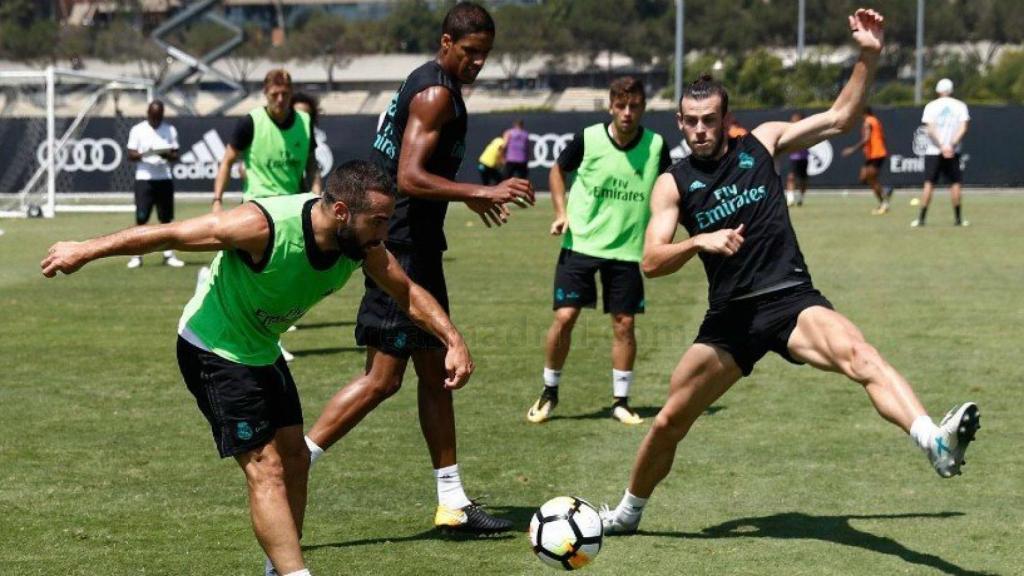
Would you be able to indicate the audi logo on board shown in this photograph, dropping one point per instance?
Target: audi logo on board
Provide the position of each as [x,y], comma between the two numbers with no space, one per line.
[547,147]
[85,155]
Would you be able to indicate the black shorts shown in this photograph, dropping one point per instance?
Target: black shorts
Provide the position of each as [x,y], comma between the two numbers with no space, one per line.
[382,324]
[154,192]
[798,168]
[876,162]
[748,329]
[935,166]
[245,405]
[622,286]
[488,176]
[517,170]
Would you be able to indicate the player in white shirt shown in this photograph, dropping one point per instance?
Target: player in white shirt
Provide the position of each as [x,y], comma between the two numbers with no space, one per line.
[945,120]
[154,145]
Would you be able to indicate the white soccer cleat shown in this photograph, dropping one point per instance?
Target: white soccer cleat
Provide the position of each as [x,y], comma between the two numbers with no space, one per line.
[541,410]
[956,431]
[618,521]
[134,262]
[173,262]
[917,223]
[623,413]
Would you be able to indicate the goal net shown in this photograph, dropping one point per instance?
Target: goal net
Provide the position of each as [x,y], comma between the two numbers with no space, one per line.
[81,118]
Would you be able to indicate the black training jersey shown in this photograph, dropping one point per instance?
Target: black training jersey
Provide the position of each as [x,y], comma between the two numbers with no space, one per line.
[741,188]
[419,222]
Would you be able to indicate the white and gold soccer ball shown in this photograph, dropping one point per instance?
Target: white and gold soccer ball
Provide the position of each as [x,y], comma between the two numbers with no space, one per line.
[566,533]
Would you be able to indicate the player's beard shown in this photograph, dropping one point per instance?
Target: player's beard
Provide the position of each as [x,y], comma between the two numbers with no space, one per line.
[714,154]
[349,244]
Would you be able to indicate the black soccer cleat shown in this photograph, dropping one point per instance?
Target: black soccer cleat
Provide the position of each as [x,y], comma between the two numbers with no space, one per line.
[471,519]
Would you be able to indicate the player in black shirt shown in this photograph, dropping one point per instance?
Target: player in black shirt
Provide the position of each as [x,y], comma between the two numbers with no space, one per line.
[730,199]
[420,141]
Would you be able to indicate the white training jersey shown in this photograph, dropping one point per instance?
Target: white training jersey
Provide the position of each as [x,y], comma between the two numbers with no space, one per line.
[946,114]
[143,138]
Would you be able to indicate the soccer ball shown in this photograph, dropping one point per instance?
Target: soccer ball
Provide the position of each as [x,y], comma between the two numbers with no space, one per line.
[566,533]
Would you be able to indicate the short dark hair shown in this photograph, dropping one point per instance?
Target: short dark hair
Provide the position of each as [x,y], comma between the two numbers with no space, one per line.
[309,100]
[867,110]
[467,18]
[626,86]
[705,87]
[351,182]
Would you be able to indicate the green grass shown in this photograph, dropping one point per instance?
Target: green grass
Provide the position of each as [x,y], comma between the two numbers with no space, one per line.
[106,466]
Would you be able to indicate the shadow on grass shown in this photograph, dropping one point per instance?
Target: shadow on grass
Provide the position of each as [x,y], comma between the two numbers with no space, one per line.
[315,325]
[519,515]
[643,411]
[835,529]
[327,351]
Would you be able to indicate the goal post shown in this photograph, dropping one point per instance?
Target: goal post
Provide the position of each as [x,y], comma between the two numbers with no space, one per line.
[45,143]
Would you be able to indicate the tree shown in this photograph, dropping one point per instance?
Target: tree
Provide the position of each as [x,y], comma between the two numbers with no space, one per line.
[329,39]
[412,27]
[520,39]
[243,59]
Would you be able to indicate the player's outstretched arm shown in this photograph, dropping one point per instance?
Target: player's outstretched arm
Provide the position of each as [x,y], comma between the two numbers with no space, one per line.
[423,309]
[663,257]
[866,26]
[865,136]
[244,228]
[428,112]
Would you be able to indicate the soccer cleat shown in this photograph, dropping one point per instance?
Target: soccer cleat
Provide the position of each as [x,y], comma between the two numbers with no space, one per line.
[619,522]
[173,262]
[956,431]
[471,519]
[134,262]
[962,223]
[917,223]
[542,408]
[883,209]
[623,413]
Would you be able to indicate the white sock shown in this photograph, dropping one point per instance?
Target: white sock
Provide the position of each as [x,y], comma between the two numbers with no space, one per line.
[923,432]
[303,572]
[268,567]
[552,377]
[631,505]
[621,380]
[168,253]
[449,488]
[315,451]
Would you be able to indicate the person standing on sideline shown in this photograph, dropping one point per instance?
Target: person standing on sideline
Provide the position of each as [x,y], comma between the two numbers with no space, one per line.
[760,294]
[616,164]
[945,120]
[796,178]
[277,258]
[276,145]
[153,143]
[491,161]
[420,141]
[517,151]
[872,143]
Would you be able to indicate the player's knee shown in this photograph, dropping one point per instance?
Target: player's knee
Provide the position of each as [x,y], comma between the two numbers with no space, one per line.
[383,386]
[669,427]
[267,471]
[565,318]
[860,360]
[623,325]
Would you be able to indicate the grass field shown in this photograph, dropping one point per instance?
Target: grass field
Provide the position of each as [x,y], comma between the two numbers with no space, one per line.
[107,467]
